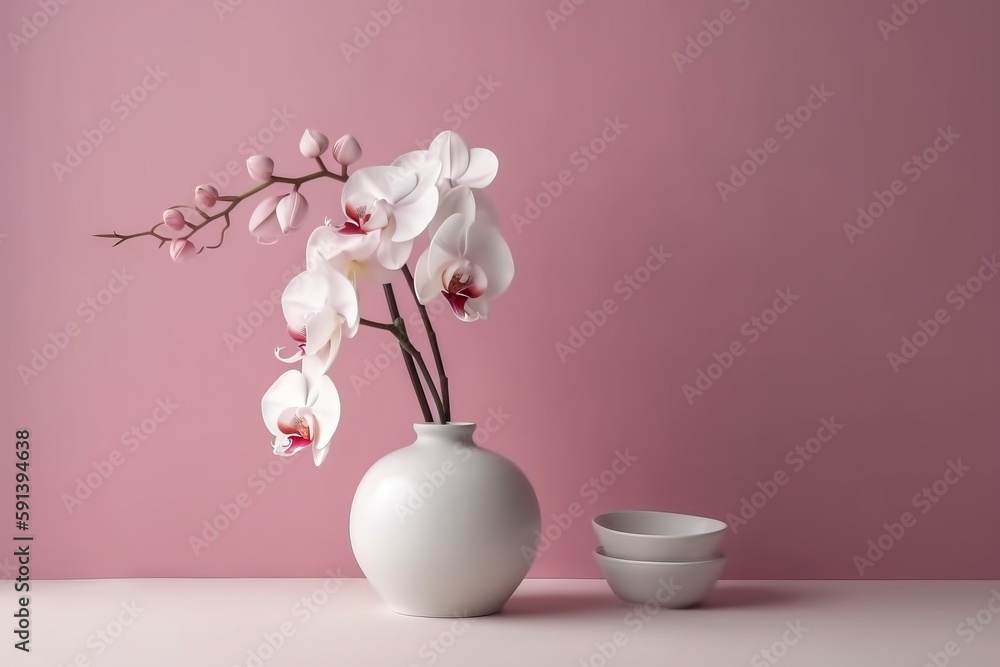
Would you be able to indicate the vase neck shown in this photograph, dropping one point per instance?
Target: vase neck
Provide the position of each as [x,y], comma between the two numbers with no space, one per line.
[452,433]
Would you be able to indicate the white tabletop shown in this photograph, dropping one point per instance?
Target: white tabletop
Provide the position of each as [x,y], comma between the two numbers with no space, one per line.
[341,623]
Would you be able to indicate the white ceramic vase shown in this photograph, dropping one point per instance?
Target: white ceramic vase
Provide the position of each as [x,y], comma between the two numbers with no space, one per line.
[444,528]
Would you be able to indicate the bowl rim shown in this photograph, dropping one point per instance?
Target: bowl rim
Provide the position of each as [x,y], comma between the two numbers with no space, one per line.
[600,555]
[723,526]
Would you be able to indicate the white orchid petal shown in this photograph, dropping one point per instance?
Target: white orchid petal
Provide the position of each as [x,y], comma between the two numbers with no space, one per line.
[321,328]
[457,200]
[483,166]
[411,161]
[487,249]
[319,455]
[477,309]
[298,354]
[367,185]
[304,295]
[325,404]
[453,153]
[416,210]
[343,297]
[427,288]
[394,254]
[289,390]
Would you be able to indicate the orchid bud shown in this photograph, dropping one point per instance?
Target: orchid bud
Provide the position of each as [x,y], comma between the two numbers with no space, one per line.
[346,150]
[181,250]
[205,196]
[260,167]
[313,143]
[264,222]
[173,219]
[291,211]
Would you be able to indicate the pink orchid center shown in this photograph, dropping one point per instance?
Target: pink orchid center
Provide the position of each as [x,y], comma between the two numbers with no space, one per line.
[358,218]
[298,334]
[299,425]
[462,281]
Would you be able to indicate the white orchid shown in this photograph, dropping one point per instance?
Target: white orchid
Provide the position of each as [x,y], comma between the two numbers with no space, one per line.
[353,255]
[393,203]
[460,165]
[468,261]
[300,411]
[317,305]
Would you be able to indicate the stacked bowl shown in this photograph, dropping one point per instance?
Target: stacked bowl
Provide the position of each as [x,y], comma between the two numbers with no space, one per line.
[660,558]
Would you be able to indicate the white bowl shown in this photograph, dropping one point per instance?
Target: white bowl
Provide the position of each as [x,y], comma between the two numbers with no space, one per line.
[659,536]
[671,585]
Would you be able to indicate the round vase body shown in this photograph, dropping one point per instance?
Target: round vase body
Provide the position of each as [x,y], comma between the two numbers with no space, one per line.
[444,528]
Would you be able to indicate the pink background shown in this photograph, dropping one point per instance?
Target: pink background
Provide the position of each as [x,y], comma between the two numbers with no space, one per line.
[164,336]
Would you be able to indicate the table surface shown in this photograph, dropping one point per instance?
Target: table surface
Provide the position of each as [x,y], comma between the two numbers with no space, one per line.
[574,622]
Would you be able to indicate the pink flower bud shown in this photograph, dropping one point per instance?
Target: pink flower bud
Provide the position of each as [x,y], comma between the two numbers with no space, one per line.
[205,196]
[181,250]
[291,211]
[313,143]
[264,221]
[347,150]
[260,167]
[173,219]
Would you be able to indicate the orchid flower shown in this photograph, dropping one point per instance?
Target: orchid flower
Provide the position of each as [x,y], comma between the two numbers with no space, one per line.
[317,304]
[468,261]
[301,410]
[460,165]
[395,203]
[353,255]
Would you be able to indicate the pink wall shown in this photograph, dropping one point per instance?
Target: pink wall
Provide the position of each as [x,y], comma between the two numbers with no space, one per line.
[162,338]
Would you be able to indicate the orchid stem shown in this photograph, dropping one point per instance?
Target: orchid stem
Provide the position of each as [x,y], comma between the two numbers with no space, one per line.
[234,201]
[435,348]
[400,332]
